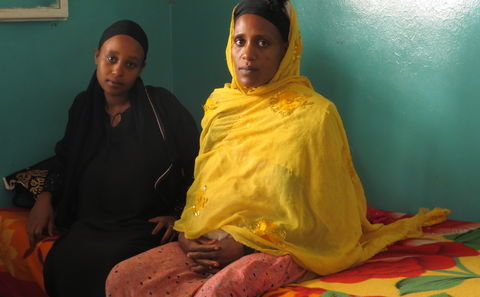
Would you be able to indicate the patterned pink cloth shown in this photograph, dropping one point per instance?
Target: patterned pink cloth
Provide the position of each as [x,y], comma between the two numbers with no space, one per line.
[165,271]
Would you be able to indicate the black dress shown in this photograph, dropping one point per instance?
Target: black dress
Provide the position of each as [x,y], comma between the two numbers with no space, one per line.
[123,184]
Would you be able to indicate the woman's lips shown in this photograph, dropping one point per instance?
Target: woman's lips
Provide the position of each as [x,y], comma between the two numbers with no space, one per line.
[248,69]
[114,83]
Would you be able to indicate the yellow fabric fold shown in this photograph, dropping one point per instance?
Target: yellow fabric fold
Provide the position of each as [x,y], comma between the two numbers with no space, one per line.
[274,171]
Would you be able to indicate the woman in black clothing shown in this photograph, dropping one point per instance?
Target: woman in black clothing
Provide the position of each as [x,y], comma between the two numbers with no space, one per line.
[121,170]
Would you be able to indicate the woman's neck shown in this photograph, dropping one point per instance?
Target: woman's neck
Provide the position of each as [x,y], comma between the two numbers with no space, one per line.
[116,104]
[114,107]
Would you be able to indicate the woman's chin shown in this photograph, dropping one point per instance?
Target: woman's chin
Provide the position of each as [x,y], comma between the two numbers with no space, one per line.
[251,84]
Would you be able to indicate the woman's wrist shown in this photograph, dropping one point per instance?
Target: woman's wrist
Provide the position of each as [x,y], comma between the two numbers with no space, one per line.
[248,250]
[44,197]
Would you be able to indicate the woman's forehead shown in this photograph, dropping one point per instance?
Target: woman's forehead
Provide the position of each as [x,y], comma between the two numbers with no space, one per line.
[123,44]
[254,24]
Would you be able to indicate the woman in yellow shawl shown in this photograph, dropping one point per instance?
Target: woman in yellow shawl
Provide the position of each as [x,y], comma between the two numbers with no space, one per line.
[273,175]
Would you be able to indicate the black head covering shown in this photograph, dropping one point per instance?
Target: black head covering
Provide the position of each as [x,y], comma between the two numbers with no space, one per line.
[271,10]
[126,27]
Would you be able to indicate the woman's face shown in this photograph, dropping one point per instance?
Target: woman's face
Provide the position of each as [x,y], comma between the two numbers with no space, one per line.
[119,62]
[258,48]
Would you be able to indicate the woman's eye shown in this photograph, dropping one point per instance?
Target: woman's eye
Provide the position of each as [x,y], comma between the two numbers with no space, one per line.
[111,59]
[131,65]
[239,42]
[263,43]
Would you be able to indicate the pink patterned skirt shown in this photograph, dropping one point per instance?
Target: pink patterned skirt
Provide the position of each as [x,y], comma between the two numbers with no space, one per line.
[165,271]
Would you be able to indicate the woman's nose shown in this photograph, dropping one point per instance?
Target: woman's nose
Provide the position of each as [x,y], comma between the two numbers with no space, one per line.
[249,52]
[117,69]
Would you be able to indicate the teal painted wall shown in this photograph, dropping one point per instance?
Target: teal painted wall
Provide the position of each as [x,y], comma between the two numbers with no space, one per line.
[45,64]
[200,30]
[29,3]
[402,73]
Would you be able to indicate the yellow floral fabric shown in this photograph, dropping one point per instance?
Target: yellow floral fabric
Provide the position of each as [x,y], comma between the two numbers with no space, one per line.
[274,171]
[444,262]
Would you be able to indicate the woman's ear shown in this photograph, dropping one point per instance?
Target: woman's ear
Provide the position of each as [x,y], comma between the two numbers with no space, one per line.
[285,47]
[95,57]
[142,67]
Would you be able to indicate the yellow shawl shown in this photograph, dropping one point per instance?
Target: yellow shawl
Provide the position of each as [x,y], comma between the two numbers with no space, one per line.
[274,171]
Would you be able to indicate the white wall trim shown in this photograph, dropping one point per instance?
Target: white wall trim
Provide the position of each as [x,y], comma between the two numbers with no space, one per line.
[60,12]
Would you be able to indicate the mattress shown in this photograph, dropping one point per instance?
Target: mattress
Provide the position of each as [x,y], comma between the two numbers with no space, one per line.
[444,262]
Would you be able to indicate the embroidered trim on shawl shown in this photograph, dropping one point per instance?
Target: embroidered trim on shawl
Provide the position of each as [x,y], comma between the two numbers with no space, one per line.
[287,101]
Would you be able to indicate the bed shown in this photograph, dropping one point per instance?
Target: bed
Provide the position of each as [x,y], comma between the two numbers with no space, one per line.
[444,262]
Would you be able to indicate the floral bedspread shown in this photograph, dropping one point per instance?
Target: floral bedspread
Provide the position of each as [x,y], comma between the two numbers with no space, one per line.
[445,262]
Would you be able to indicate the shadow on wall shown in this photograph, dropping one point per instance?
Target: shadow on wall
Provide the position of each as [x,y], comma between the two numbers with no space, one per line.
[199,58]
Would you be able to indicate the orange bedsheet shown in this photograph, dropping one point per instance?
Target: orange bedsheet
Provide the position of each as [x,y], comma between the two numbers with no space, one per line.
[20,276]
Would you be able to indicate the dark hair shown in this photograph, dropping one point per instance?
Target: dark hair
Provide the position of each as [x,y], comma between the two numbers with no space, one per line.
[272,10]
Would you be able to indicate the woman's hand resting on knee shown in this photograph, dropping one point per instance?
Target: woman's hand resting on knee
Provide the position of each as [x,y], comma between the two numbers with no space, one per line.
[164,222]
[41,219]
[211,255]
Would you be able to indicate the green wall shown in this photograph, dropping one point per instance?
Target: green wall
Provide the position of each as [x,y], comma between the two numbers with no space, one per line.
[402,73]
[200,30]
[45,64]
[29,3]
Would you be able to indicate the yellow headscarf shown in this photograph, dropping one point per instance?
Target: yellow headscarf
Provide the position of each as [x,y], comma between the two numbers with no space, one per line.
[274,171]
